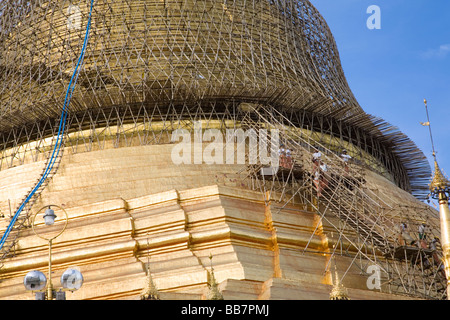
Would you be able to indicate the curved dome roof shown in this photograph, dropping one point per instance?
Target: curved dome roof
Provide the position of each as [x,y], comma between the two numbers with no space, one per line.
[141,52]
[154,51]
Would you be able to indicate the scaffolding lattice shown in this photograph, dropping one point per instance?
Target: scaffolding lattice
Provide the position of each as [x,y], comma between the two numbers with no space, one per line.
[156,66]
[410,268]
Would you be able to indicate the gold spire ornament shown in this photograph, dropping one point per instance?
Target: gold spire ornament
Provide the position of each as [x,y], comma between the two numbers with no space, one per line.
[213,287]
[150,292]
[439,181]
[339,292]
[440,190]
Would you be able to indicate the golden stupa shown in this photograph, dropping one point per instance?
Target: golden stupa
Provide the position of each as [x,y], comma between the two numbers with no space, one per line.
[96,100]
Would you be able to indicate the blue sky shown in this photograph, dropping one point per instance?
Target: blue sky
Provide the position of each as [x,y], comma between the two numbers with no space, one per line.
[393,69]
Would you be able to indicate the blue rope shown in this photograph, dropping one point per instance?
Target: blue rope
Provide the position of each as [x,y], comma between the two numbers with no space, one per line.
[61,129]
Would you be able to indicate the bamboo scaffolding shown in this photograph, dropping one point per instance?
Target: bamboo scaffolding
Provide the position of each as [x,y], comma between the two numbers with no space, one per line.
[155,66]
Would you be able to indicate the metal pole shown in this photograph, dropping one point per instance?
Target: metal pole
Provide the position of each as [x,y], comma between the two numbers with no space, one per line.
[445,235]
[49,285]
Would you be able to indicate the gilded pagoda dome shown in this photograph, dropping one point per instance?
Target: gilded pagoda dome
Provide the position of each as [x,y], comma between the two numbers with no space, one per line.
[151,52]
[92,97]
[162,59]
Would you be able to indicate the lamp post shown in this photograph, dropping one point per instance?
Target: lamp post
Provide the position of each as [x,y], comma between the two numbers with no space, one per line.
[71,279]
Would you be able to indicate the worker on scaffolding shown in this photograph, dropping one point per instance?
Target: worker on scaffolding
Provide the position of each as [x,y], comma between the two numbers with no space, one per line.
[422,230]
[437,260]
[404,236]
[320,178]
[346,158]
[422,236]
[316,159]
[433,244]
[289,162]
[282,156]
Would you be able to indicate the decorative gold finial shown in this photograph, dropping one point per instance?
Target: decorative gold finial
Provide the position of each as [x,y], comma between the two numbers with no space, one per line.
[150,292]
[439,182]
[339,292]
[213,287]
